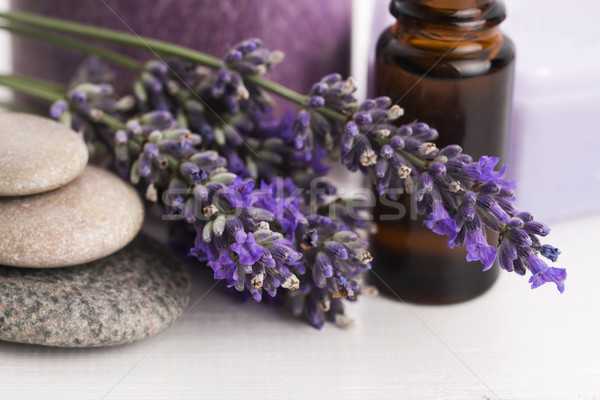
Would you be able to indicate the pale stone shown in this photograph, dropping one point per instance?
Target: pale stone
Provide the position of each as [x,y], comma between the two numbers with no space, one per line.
[37,154]
[127,296]
[91,217]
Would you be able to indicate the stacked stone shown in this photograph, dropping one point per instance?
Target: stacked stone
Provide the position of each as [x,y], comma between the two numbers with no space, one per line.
[73,273]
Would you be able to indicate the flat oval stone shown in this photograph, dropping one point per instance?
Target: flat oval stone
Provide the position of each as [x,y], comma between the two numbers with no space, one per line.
[125,297]
[91,217]
[37,154]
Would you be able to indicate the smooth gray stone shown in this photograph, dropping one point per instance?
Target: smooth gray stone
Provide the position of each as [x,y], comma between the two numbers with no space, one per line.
[127,296]
[37,154]
[93,216]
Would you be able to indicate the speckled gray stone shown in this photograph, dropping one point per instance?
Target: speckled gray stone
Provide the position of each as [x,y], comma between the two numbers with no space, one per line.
[128,296]
[37,154]
[93,216]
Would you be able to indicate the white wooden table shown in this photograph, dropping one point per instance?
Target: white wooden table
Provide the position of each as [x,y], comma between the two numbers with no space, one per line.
[511,343]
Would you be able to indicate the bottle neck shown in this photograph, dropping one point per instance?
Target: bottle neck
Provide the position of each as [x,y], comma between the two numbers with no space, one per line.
[462,26]
[463,15]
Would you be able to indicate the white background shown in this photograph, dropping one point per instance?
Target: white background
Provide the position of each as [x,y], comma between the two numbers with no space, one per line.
[511,343]
[5,59]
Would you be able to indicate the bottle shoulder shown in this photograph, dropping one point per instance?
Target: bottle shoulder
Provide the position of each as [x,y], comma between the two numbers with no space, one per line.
[448,59]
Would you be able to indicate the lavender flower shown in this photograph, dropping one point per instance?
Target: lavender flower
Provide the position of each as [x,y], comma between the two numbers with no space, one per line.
[335,258]
[205,143]
[312,130]
[250,58]
[460,197]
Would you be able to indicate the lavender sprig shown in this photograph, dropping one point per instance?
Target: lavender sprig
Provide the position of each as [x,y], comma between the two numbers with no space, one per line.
[267,236]
[459,197]
[249,234]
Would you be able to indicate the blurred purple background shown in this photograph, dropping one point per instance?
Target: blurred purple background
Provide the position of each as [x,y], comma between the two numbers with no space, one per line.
[314,34]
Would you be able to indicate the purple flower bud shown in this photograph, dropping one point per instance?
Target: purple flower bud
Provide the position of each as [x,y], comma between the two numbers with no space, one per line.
[468,211]
[550,252]
[451,151]
[351,129]
[506,206]
[363,118]
[157,118]
[315,102]
[519,237]
[470,197]
[506,193]
[412,145]
[383,102]
[318,89]
[426,182]
[397,143]
[233,56]
[58,108]
[386,151]
[516,223]
[367,105]
[455,167]
[507,253]
[523,251]
[536,228]
[331,79]
[323,264]
[437,169]
[489,188]
[120,137]
[525,216]
[249,45]
[420,130]
[381,167]
[379,116]
[501,215]
[336,250]
[303,118]
[77,97]
[192,172]
[487,203]
[151,83]
[397,163]
[405,131]
[346,144]
[459,240]
[150,150]
[200,193]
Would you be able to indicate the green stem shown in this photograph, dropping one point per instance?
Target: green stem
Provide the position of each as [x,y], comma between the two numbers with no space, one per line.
[112,122]
[415,160]
[157,47]
[30,87]
[77,45]
[110,35]
[50,86]
[40,90]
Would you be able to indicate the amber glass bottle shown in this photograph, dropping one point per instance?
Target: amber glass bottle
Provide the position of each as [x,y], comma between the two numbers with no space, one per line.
[447,64]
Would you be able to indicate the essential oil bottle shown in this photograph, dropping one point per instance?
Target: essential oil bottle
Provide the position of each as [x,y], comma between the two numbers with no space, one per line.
[448,65]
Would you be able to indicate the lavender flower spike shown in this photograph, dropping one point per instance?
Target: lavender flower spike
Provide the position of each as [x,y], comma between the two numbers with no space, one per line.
[461,197]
